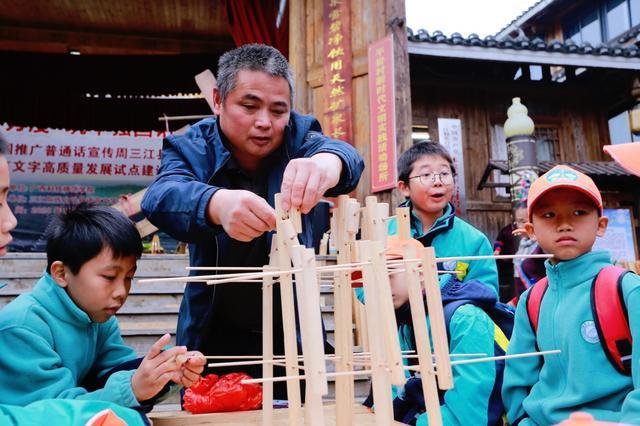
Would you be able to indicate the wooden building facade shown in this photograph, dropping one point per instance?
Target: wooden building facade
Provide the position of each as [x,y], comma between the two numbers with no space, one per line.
[574,64]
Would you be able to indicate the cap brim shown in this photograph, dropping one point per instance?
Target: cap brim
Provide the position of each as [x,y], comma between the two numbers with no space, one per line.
[576,186]
[627,155]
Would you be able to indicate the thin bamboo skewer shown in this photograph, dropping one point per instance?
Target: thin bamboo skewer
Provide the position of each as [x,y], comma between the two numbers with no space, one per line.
[410,367]
[218,276]
[448,259]
[253,360]
[330,268]
[223,268]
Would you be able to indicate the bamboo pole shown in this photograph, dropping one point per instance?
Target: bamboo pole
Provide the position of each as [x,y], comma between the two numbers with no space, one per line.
[288,321]
[380,375]
[436,318]
[419,317]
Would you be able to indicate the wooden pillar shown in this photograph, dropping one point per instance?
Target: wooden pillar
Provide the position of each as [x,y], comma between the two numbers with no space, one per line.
[397,25]
[298,55]
[370,20]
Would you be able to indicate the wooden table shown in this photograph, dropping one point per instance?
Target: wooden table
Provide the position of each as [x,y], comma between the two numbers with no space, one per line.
[362,416]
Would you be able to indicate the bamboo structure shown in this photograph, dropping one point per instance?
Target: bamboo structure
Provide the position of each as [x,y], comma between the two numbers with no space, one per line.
[385,363]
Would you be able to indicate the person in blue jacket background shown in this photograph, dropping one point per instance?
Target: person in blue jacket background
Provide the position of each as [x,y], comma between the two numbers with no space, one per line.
[216,186]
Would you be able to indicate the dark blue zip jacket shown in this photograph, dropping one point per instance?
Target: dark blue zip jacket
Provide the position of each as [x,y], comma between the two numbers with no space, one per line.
[177,201]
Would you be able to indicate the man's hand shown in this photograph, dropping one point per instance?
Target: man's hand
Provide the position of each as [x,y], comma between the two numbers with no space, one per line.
[306,180]
[157,369]
[243,214]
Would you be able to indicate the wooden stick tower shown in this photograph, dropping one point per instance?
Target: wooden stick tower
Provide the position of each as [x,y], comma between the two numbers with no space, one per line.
[385,361]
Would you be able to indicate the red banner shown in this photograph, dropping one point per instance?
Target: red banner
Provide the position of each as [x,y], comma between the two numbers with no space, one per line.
[382,115]
[337,69]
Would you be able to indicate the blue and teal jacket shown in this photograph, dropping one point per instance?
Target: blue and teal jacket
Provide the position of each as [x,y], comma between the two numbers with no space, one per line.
[475,397]
[50,347]
[544,391]
[189,175]
[65,412]
[451,236]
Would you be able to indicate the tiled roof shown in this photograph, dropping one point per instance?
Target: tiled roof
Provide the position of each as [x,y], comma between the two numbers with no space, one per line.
[633,33]
[524,43]
[533,10]
[591,168]
[596,169]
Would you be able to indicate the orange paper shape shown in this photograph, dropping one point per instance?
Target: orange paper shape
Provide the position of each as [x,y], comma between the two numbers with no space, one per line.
[627,155]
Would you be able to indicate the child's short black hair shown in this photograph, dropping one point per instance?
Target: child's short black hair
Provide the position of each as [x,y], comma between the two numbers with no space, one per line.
[82,232]
[3,145]
[419,150]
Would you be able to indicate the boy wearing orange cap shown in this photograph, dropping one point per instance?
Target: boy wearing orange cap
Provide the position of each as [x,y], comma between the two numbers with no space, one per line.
[565,216]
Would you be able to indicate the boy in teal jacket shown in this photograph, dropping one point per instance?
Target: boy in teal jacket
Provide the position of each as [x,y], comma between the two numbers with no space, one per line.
[62,340]
[475,397]
[565,216]
[426,177]
[53,412]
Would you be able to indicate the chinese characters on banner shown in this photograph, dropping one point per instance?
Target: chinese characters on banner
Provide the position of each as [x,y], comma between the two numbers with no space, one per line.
[383,115]
[450,136]
[107,158]
[337,69]
[52,169]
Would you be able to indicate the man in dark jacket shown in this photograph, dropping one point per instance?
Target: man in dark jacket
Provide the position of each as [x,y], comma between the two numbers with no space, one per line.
[216,186]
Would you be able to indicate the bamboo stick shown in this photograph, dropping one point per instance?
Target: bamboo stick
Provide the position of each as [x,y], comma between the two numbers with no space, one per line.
[419,317]
[436,318]
[267,341]
[346,214]
[288,321]
[411,367]
[380,377]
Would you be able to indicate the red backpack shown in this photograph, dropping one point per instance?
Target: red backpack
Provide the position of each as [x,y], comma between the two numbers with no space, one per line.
[609,311]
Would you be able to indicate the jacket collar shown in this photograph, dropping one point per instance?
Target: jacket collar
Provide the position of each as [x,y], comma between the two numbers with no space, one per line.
[56,300]
[443,223]
[570,273]
[222,153]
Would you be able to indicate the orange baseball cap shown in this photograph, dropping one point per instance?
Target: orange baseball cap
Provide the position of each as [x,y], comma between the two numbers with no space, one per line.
[563,177]
[396,245]
[627,155]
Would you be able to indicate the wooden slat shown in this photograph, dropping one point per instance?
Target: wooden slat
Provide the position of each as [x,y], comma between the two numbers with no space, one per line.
[362,416]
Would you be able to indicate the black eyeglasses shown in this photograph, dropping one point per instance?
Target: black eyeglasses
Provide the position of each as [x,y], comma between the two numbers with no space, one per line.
[428,179]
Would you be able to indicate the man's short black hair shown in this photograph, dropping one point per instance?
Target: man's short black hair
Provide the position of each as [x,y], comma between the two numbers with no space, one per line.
[417,151]
[4,146]
[82,232]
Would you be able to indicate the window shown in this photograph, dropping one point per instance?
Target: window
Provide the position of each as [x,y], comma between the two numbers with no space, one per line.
[617,17]
[547,142]
[601,21]
[620,129]
[635,12]
[590,27]
[547,149]
[572,31]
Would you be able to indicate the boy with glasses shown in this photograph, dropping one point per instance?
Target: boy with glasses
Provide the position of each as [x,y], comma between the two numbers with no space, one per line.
[426,177]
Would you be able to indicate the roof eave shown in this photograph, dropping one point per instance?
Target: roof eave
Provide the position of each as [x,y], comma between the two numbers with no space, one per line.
[517,23]
[522,56]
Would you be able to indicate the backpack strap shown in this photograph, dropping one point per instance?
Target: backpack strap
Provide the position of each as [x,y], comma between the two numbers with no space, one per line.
[611,317]
[536,293]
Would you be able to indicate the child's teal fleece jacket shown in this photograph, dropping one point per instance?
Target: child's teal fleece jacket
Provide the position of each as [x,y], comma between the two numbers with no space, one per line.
[49,346]
[545,391]
[63,412]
